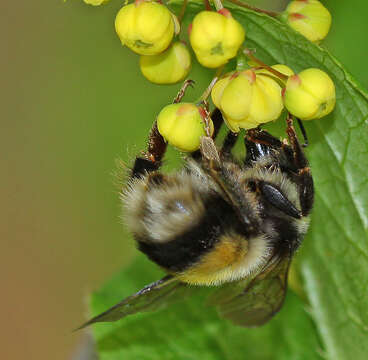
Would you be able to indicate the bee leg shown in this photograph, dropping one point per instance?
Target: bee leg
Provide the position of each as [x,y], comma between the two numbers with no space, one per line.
[217,120]
[300,160]
[304,176]
[259,143]
[182,90]
[151,159]
[304,133]
[228,144]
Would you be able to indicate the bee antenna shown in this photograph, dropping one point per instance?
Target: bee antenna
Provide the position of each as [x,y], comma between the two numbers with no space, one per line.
[304,133]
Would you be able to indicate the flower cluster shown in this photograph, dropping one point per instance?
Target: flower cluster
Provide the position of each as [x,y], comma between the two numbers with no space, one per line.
[148,28]
[251,94]
[248,98]
[256,96]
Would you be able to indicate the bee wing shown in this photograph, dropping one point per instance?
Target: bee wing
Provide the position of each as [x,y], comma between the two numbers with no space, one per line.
[253,302]
[152,297]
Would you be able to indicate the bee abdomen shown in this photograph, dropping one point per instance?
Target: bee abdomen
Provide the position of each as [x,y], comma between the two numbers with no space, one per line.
[186,248]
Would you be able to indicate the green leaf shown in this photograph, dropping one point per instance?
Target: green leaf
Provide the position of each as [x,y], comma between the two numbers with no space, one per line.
[333,261]
[190,330]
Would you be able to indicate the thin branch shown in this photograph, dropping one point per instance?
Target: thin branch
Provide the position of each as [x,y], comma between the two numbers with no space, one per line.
[207,5]
[182,11]
[279,74]
[207,92]
[251,7]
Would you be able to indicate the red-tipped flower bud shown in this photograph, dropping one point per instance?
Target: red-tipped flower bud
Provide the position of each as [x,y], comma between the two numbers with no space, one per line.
[247,99]
[310,18]
[182,125]
[310,94]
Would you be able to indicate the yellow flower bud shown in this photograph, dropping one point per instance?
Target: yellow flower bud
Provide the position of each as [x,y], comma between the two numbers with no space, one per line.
[169,67]
[182,126]
[235,125]
[310,94]
[237,96]
[145,27]
[248,99]
[218,90]
[215,38]
[95,2]
[310,18]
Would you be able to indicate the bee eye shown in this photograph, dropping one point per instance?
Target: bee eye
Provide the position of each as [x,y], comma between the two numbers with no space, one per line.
[276,198]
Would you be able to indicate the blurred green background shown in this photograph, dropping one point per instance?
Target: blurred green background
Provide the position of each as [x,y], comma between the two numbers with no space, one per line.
[72,102]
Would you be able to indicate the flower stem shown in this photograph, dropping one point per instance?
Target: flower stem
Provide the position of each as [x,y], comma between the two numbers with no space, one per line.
[182,11]
[218,5]
[182,90]
[241,62]
[207,92]
[207,5]
[251,7]
[280,75]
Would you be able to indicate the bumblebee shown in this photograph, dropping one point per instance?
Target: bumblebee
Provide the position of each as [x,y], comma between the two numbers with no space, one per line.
[220,222]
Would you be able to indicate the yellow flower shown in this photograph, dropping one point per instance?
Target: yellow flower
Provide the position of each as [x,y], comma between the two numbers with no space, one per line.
[247,99]
[310,18]
[215,38]
[145,27]
[310,94]
[169,67]
[182,126]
